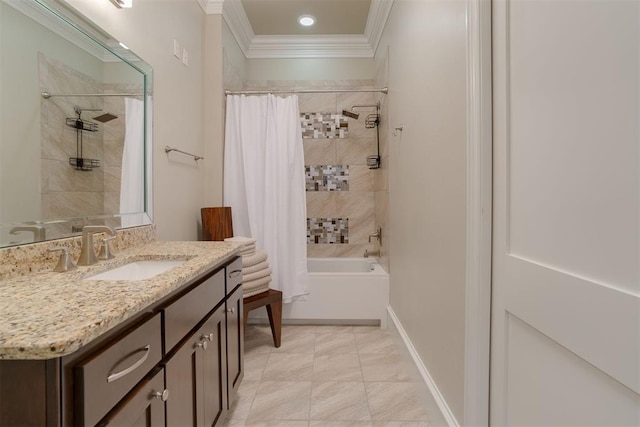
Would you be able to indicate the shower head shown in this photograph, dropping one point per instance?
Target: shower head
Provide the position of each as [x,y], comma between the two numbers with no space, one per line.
[350,114]
[103,118]
[106,117]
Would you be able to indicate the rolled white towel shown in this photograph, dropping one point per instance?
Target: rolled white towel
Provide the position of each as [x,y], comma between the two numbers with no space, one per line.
[257,275]
[257,258]
[254,268]
[256,286]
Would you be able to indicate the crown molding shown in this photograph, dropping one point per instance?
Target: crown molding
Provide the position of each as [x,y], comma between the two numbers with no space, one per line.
[211,7]
[327,46]
[378,14]
[236,18]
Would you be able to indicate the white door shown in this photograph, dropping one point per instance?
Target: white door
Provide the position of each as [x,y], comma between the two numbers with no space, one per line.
[565,347]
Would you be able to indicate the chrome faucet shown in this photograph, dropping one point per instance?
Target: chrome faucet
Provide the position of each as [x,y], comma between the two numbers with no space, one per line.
[377,235]
[39,232]
[65,262]
[87,252]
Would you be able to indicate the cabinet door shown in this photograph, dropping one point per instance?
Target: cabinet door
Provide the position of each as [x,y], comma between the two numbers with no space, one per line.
[143,406]
[235,342]
[182,372]
[214,367]
[197,375]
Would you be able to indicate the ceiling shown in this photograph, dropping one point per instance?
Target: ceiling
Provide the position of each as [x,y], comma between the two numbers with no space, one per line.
[269,28]
[279,17]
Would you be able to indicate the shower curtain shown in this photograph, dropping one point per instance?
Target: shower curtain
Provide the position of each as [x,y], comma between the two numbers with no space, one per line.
[132,178]
[264,184]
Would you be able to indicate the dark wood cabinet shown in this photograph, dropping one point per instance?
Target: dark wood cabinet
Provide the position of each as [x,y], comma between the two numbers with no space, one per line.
[106,376]
[181,358]
[197,373]
[143,407]
[235,342]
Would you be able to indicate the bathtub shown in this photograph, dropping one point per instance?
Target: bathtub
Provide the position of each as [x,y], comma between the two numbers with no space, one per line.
[342,290]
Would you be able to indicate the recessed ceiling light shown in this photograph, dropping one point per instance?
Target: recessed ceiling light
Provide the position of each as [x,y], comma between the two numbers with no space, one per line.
[306,20]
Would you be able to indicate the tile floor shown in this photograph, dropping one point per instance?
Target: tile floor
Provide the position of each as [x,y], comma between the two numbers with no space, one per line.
[325,376]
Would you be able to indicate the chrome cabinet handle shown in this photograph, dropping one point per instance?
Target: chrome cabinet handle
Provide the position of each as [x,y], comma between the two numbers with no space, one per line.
[162,395]
[111,378]
[231,310]
[207,337]
[202,345]
[235,273]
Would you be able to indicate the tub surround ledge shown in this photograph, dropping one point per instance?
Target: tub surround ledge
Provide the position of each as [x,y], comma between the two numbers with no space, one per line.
[48,315]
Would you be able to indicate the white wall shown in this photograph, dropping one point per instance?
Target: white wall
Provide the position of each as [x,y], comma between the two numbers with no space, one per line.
[214,103]
[426,41]
[149,29]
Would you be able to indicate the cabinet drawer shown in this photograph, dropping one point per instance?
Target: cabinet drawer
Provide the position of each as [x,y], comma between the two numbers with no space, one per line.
[234,274]
[143,406]
[108,375]
[184,314]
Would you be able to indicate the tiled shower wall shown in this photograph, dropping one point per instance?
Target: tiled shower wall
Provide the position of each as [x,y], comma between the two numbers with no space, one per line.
[353,203]
[341,189]
[65,191]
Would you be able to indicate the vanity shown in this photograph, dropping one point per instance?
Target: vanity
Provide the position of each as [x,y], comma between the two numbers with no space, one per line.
[79,348]
[162,351]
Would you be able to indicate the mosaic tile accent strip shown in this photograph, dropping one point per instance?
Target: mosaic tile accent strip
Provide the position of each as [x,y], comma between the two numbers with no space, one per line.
[327,177]
[324,125]
[327,230]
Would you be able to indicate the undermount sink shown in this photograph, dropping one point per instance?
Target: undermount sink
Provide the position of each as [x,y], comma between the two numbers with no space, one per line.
[137,270]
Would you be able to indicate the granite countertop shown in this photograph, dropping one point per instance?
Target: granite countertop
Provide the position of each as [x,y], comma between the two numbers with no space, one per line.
[48,315]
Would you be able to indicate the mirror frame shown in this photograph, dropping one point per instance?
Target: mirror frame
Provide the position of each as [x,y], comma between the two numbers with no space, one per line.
[66,16]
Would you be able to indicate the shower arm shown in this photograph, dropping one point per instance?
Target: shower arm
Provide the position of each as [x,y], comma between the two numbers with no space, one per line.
[78,109]
[376,106]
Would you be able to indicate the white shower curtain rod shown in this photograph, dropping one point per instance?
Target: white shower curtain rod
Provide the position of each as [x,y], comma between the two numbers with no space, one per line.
[384,90]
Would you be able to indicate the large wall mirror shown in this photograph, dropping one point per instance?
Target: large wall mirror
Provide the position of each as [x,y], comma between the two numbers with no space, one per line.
[75,123]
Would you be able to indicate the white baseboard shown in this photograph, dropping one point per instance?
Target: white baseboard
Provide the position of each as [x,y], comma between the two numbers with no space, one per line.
[447,414]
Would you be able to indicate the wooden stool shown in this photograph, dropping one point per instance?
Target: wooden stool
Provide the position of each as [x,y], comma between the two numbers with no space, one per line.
[273,300]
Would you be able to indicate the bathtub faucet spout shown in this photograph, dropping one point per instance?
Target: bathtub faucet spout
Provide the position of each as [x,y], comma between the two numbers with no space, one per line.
[368,253]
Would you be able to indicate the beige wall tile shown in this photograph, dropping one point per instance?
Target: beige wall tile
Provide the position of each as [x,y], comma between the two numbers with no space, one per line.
[112,155]
[354,204]
[360,228]
[360,178]
[111,202]
[321,250]
[68,204]
[319,151]
[351,251]
[317,102]
[63,177]
[357,129]
[112,176]
[354,151]
[381,176]
[321,204]
[346,100]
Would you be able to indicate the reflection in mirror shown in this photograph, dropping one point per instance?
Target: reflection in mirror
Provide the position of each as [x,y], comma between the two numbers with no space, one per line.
[74,125]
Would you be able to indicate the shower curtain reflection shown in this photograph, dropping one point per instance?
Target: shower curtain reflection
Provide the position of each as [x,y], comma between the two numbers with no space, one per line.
[132,179]
[264,184]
